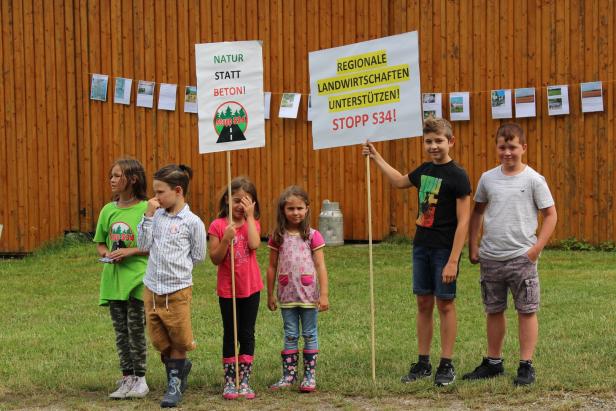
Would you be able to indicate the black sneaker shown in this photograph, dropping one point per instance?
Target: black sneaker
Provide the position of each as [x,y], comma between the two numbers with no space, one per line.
[418,370]
[445,375]
[485,370]
[526,374]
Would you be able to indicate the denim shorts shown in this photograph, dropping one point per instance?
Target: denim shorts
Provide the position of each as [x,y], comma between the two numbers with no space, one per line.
[518,275]
[428,264]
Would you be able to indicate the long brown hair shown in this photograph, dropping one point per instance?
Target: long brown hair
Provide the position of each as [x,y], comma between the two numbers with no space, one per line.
[133,172]
[281,220]
[238,183]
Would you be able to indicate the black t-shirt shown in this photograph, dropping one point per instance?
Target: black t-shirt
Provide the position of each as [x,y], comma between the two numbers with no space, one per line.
[438,188]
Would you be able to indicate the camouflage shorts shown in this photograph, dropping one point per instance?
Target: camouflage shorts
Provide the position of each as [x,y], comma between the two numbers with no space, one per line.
[518,275]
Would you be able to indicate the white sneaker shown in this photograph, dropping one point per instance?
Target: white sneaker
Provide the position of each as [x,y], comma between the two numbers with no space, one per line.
[139,389]
[125,385]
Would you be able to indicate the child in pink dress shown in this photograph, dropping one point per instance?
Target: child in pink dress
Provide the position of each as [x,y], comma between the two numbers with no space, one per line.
[297,261]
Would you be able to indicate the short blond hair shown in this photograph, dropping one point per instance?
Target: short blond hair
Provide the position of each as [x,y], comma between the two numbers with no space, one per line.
[437,126]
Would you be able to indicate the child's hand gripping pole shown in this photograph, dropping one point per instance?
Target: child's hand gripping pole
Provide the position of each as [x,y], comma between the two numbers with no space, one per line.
[232,256]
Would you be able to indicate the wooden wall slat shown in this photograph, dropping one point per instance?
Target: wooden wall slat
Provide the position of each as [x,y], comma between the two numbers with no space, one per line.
[465,61]
[97,120]
[478,117]
[604,186]
[21,132]
[7,239]
[57,144]
[11,62]
[51,122]
[41,79]
[611,122]
[72,81]
[127,70]
[83,117]
[106,146]
[117,140]
[588,159]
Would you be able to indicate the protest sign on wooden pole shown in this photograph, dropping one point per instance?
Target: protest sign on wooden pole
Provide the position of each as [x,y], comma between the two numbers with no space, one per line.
[366,91]
[230,111]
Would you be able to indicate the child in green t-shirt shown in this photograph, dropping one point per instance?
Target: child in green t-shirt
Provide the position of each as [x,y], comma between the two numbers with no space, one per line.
[124,266]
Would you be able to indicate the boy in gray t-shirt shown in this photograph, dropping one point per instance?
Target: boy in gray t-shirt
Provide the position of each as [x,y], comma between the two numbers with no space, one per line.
[507,201]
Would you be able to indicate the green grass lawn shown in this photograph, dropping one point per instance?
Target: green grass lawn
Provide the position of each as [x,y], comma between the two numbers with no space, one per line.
[57,346]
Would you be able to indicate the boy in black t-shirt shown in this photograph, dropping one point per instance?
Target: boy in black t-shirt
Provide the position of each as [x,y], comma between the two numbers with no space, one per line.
[442,223]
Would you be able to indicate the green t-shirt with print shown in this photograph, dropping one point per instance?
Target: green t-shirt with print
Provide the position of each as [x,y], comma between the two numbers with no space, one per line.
[117,227]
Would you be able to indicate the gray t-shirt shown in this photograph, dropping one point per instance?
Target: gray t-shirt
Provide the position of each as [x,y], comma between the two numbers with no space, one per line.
[510,219]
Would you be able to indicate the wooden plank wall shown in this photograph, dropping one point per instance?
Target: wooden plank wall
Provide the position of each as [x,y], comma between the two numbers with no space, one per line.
[56,145]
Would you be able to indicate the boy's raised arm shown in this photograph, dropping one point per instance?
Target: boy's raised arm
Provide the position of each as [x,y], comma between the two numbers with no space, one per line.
[396,179]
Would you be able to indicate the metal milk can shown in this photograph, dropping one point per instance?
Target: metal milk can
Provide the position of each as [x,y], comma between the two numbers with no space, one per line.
[331,223]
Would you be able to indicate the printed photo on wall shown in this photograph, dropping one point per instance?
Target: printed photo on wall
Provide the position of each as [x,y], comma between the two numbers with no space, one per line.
[459,106]
[289,105]
[592,97]
[267,102]
[166,96]
[98,87]
[525,102]
[501,103]
[121,94]
[190,99]
[432,105]
[558,100]
[145,94]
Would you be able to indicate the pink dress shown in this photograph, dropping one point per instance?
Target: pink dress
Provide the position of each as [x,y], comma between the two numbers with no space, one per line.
[297,277]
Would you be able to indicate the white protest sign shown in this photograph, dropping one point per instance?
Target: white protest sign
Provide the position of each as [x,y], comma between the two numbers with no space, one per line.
[230,95]
[368,90]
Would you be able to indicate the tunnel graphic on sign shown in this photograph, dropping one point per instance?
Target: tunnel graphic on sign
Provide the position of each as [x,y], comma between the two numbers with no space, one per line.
[230,122]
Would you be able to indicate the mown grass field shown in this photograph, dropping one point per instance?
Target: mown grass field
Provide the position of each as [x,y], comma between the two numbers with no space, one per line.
[57,346]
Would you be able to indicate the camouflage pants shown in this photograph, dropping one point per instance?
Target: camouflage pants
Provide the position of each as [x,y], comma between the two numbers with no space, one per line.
[129,324]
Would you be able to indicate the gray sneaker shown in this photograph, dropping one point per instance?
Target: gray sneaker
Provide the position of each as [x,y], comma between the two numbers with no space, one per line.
[418,370]
[445,375]
[124,387]
[139,389]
